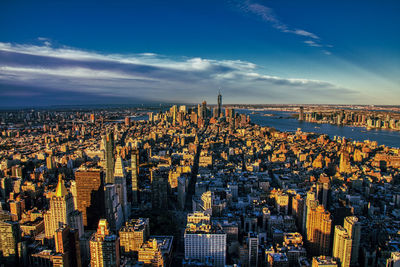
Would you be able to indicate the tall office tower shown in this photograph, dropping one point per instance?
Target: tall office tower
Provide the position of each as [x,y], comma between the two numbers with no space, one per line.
[344,164]
[159,189]
[120,184]
[301,114]
[252,243]
[108,141]
[342,246]
[134,234]
[62,211]
[90,195]
[204,241]
[323,190]
[113,209]
[219,110]
[92,119]
[353,228]
[10,234]
[135,173]
[204,110]
[150,254]
[104,247]
[183,183]
[199,111]
[174,112]
[74,193]
[311,201]
[319,225]
[324,261]
[298,209]
[67,244]
[127,121]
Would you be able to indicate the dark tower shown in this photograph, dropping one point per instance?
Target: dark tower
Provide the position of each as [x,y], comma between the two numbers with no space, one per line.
[301,114]
[219,111]
[108,140]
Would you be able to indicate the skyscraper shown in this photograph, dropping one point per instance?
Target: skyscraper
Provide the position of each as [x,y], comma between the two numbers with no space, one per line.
[134,234]
[61,211]
[219,110]
[342,246]
[353,228]
[319,230]
[67,245]
[90,195]
[135,172]
[159,189]
[204,241]
[120,184]
[204,110]
[113,209]
[104,247]
[252,243]
[9,236]
[108,141]
[301,114]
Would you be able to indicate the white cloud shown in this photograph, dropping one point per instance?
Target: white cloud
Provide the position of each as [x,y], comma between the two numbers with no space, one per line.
[312,43]
[148,75]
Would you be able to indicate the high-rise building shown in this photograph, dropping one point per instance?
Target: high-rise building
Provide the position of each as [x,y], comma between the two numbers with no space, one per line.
[219,109]
[104,247]
[120,184]
[9,237]
[74,193]
[342,246]
[319,225]
[353,228]
[311,201]
[135,173]
[113,209]
[252,243]
[150,254]
[159,189]
[134,234]
[204,241]
[67,244]
[301,114]
[323,190]
[204,110]
[92,119]
[62,211]
[183,183]
[298,209]
[90,195]
[127,121]
[108,141]
[344,164]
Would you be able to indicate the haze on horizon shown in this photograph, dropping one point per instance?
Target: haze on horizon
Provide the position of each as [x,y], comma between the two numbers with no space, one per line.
[258,52]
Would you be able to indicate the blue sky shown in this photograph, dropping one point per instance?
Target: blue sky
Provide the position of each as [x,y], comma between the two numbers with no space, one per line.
[286,51]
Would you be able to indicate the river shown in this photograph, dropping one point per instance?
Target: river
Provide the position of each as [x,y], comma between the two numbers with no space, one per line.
[283,121]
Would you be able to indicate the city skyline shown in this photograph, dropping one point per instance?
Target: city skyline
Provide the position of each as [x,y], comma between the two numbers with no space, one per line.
[258,52]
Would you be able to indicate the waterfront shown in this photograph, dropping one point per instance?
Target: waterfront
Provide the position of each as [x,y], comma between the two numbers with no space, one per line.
[283,121]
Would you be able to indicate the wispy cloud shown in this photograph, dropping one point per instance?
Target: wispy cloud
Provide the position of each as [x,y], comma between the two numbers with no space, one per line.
[43,70]
[267,14]
[312,43]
